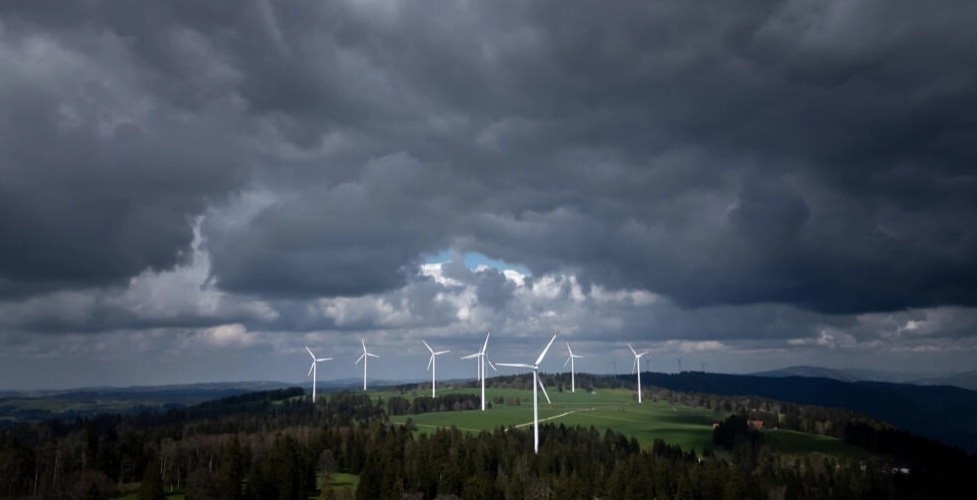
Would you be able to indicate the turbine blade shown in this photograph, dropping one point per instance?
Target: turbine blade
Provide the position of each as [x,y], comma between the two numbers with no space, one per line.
[490,364]
[428,347]
[567,362]
[446,351]
[429,362]
[310,352]
[323,359]
[363,343]
[359,359]
[547,348]
[470,356]
[307,375]
[642,354]
[569,350]
[632,350]
[543,387]
[485,345]
[370,354]
[634,366]
[516,365]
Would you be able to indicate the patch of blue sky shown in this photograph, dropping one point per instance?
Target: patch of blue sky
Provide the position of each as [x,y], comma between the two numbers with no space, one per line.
[473,260]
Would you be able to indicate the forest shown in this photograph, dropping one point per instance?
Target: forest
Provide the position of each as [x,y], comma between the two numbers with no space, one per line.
[277,445]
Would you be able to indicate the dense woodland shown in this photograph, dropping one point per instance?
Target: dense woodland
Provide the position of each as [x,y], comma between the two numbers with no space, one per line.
[273,445]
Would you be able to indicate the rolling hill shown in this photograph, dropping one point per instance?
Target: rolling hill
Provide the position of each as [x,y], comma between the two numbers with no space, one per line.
[944,413]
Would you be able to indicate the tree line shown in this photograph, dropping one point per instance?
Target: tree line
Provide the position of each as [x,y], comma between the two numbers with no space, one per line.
[275,444]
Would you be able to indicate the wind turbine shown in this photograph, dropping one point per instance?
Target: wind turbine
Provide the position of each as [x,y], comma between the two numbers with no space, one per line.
[363,357]
[482,359]
[536,382]
[636,368]
[433,365]
[570,357]
[312,370]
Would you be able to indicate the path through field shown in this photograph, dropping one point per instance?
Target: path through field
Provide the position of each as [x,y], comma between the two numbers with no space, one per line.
[554,417]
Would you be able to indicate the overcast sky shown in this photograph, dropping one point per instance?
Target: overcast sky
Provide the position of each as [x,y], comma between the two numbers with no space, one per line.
[192,191]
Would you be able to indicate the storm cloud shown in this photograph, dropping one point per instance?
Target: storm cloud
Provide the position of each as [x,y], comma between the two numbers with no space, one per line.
[765,169]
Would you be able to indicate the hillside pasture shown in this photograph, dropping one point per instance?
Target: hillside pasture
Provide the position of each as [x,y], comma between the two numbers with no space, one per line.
[616,409]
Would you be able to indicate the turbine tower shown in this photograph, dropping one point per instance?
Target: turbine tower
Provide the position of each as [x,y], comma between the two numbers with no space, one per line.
[570,357]
[432,365]
[636,368]
[480,365]
[536,382]
[363,357]
[312,370]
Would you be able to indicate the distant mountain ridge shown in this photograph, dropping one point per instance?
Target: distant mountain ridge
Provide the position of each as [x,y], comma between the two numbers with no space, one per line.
[87,401]
[257,385]
[965,380]
[943,413]
[34,405]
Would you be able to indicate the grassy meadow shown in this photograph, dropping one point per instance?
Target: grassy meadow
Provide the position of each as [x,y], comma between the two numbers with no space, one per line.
[617,409]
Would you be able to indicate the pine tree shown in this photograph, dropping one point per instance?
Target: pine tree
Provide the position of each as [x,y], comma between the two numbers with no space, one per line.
[152,483]
[230,474]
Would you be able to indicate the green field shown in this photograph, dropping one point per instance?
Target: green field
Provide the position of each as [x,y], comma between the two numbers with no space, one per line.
[339,480]
[688,427]
[793,442]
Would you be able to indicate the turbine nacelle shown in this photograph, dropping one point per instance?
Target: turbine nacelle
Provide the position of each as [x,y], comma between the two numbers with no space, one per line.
[570,356]
[433,354]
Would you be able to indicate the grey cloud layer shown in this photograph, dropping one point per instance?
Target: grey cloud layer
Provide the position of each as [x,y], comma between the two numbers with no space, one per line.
[818,155]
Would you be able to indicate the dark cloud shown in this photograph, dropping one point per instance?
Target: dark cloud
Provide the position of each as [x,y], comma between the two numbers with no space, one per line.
[101,176]
[817,155]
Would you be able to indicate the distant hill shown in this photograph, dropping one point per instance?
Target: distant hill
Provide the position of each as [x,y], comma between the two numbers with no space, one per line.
[70,403]
[39,405]
[944,413]
[811,371]
[966,380]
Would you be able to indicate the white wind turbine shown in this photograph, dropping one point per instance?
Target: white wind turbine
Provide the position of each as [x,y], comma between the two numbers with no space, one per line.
[482,359]
[636,368]
[363,357]
[536,382]
[570,357]
[433,364]
[312,370]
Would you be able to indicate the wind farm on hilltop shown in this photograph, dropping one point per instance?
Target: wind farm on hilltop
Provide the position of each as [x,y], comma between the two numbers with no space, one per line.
[680,423]
[587,409]
[607,401]
[766,210]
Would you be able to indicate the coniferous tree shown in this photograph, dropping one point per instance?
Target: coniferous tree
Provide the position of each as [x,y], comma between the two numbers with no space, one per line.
[152,483]
[230,474]
[370,480]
